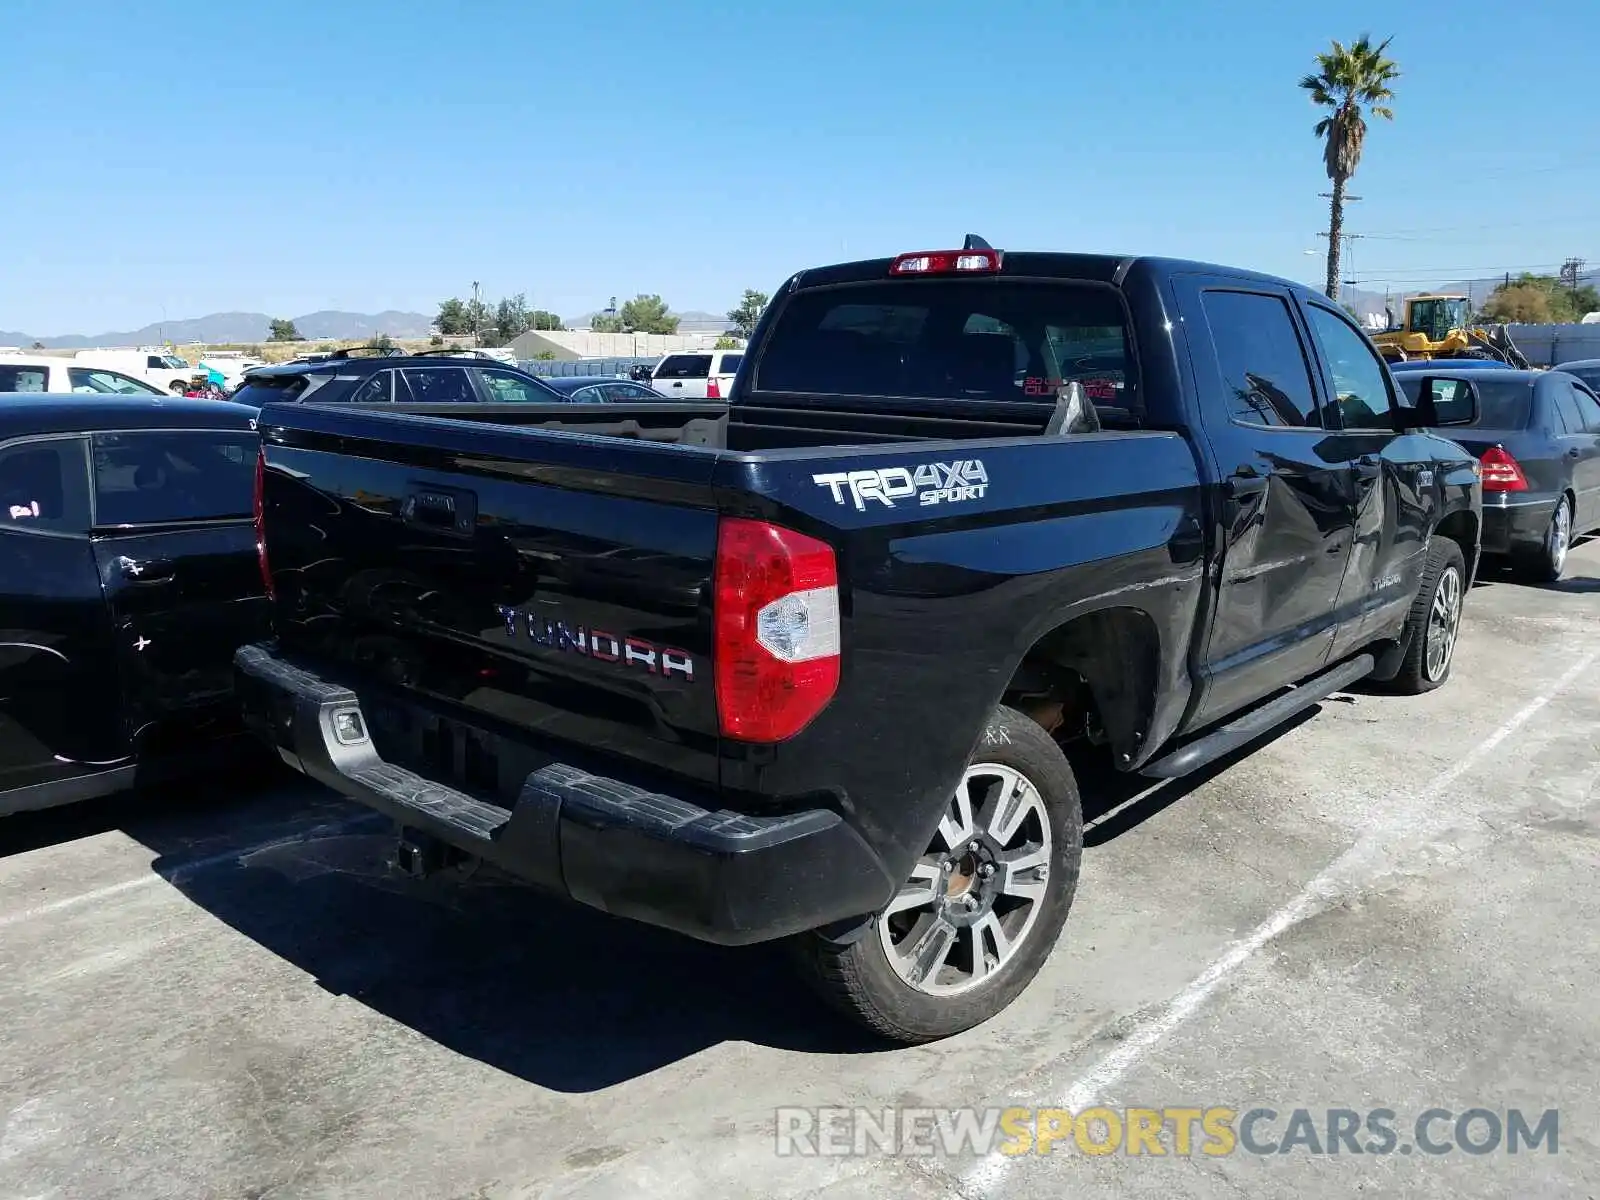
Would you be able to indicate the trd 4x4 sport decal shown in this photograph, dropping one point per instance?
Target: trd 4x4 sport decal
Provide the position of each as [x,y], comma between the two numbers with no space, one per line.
[931,483]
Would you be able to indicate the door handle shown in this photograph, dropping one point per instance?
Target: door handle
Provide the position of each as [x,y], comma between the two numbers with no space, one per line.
[145,570]
[1574,452]
[1242,485]
[1367,467]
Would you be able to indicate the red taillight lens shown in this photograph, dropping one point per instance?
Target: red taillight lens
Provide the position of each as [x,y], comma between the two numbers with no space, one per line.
[946,262]
[261,529]
[777,629]
[1501,472]
[713,388]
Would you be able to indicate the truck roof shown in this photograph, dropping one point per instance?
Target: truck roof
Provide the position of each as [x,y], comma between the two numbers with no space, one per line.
[1095,268]
[46,413]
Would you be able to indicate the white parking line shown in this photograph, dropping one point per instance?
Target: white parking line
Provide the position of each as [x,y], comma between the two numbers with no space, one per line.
[1355,866]
[182,869]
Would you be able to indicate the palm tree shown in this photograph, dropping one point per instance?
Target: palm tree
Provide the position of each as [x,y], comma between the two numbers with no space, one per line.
[1349,79]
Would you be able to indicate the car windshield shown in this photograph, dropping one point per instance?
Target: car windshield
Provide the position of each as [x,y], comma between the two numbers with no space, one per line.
[87,379]
[175,363]
[1502,403]
[993,340]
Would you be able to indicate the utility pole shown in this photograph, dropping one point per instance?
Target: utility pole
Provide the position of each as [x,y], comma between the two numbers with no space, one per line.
[477,317]
[1571,271]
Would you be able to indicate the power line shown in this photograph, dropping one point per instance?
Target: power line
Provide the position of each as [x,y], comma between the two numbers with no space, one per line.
[1405,273]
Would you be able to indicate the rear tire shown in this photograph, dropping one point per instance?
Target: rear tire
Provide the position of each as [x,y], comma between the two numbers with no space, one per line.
[1545,564]
[984,906]
[1435,619]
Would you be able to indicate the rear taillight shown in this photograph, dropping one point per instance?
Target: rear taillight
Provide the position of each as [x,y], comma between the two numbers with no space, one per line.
[1501,472]
[777,629]
[713,388]
[946,262]
[261,528]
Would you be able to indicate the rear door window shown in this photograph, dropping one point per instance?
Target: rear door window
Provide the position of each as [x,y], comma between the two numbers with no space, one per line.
[684,366]
[1262,360]
[1588,408]
[15,378]
[377,390]
[1566,406]
[44,486]
[995,340]
[157,477]
[439,385]
[730,364]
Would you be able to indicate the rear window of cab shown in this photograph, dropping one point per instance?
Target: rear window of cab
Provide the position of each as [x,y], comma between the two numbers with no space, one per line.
[987,340]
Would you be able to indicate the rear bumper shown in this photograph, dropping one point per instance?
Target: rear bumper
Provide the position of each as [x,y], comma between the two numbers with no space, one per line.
[1516,524]
[717,876]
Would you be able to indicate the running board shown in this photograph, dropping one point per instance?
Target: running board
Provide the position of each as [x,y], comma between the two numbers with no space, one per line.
[1227,738]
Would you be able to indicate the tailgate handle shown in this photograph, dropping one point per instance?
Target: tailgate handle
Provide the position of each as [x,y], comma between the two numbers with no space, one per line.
[445,510]
[145,570]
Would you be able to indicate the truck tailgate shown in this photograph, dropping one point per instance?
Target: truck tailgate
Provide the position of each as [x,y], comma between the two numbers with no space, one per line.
[564,594]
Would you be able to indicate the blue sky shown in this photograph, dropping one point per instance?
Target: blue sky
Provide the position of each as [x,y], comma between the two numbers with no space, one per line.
[173,158]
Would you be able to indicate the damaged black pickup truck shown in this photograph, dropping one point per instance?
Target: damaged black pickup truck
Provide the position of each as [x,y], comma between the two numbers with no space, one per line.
[802,665]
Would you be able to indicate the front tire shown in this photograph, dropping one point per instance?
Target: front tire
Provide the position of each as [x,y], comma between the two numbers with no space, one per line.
[984,906]
[1435,619]
[1545,564]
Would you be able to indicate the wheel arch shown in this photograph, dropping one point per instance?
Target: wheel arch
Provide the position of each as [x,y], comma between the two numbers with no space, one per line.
[1097,672]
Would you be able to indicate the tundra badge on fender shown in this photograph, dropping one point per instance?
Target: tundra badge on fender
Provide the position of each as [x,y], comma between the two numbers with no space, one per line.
[932,483]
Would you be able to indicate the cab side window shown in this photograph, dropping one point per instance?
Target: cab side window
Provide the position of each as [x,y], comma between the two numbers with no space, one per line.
[1359,380]
[1262,361]
[44,486]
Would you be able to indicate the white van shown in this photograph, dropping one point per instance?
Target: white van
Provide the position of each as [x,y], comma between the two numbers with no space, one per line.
[697,374]
[167,371]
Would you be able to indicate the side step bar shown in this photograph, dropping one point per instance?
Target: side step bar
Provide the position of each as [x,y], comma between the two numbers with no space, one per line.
[1243,729]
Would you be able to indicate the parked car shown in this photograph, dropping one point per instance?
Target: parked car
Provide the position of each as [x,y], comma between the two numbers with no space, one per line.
[44,373]
[809,674]
[1586,369]
[602,389]
[698,375]
[161,368]
[128,577]
[1537,434]
[394,378]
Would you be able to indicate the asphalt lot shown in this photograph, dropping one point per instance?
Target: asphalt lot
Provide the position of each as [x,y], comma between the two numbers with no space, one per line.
[224,992]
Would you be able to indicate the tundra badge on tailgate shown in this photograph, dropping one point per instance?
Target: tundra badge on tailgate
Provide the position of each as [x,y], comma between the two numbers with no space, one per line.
[932,483]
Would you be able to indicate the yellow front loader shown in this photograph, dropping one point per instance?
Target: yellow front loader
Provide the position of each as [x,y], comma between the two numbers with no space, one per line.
[1436,326]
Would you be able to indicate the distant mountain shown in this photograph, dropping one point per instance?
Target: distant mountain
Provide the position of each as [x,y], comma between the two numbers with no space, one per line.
[239,327]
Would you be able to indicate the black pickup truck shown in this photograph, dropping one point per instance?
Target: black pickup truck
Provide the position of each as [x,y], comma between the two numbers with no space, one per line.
[802,665]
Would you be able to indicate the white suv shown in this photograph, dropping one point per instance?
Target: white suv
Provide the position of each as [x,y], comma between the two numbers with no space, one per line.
[699,375]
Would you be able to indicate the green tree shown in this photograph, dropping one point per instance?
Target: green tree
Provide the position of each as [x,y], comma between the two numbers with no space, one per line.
[607,323]
[436,340]
[546,356]
[647,314]
[1540,300]
[748,312]
[453,319]
[511,317]
[1347,82]
[383,342]
[540,319]
[726,343]
[38,346]
[283,331]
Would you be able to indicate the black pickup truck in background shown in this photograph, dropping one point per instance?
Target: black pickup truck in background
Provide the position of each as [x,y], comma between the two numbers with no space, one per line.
[803,665]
